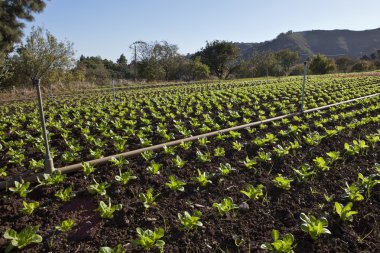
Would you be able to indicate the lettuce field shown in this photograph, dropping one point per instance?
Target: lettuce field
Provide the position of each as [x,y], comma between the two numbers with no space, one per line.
[303,183]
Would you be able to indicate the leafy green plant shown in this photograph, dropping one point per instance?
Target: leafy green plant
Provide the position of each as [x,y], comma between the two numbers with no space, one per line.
[304,173]
[175,185]
[29,208]
[190,222]
[119,162]
[154,168]
[345,212]
[333,156]
[149,239]
[225,169]
[66,225]
[56,177]
[20,188]
[3,171]
[148,155]
[98,189]
[65,194]
[254,193]
[249,163]
[282,182]
[219,152]
[313,226]
[23,238]
[202,178]
[117,249]
[225,206]
[263,156]
[106,211]
[87,168]
[237,145]
[148,198]
[179,162]
[367,183]
[125,177]
[321,163]
[203,157]
[278,246]
[353,192]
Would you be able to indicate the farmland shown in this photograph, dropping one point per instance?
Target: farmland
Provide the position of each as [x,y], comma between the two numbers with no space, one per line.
[223,193]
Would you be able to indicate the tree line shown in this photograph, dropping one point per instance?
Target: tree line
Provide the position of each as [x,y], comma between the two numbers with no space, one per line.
[42,56]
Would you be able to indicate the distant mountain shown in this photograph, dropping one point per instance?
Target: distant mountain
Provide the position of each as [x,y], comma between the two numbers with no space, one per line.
[333,43]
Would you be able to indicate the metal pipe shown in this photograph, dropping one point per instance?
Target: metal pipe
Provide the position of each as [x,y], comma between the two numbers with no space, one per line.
[49,165]
[78,166]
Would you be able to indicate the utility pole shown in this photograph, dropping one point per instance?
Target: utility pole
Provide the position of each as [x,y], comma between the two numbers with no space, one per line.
[134,44]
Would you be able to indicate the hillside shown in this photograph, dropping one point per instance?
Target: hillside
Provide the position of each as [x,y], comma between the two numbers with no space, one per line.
[333,43]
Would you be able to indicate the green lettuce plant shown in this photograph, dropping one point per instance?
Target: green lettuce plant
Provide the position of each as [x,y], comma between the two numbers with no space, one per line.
[313,226]
[285,245]
[190,222]
[22,239]
[147,239]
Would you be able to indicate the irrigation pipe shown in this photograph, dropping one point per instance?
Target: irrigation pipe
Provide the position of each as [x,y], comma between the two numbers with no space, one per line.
[78,166]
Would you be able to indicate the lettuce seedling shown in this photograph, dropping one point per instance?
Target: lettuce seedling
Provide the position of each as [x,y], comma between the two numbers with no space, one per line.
[185,145]
[367,183]
[304,172]
[148,198]
[117,249]
[119,162]
[225,169]
[321,163]
[237,145]
[125,177]
[148,155]
[87,168]
[353,192]
[66,225]
[169,150]
[190,222]
[203,157]
[333,156]
[345,212]
[29,208]
[249,163]
[282,182]
[65,194]
[254,193]
[98,189]
[219,152]
[313,226]
[21,188]
[225,206]
[154,168]
[56,177]
[202,178]
[106,211]
[277,246]
[179,162]
[175,185]
[149,239]
[24,238]
[3,171]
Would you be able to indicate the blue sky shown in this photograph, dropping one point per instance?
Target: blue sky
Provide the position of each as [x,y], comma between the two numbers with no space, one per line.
[107,28]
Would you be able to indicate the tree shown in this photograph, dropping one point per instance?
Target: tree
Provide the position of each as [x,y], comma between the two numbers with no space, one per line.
[320,64]
[287,58]
[221,57]
[11,15]
[343,63]
[165,54]
[42,55]
[122,60]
